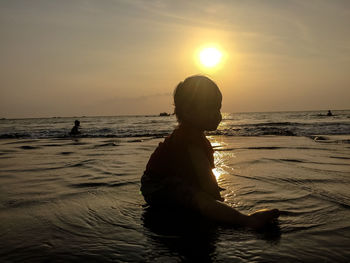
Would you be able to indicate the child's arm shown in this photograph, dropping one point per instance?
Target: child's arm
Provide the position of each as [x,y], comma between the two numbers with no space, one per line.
[203,172]
[218,211]
[222,213]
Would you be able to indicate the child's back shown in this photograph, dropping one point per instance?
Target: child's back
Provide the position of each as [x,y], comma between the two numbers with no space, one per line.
[172,174]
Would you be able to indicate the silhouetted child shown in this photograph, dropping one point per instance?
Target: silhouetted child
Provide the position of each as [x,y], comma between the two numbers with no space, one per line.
[75,129]
[179,172]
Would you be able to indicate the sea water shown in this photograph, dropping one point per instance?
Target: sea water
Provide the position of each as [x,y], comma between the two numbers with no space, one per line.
[66,199]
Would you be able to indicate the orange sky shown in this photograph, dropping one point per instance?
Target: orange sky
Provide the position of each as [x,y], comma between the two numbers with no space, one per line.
[74,58]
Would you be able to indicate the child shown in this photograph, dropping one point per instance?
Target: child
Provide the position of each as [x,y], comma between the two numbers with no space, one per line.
[179,172]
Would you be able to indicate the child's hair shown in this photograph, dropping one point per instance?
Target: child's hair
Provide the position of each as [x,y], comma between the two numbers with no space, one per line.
[192,91]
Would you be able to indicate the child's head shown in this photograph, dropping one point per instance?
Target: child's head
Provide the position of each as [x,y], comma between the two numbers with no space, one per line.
[197,102]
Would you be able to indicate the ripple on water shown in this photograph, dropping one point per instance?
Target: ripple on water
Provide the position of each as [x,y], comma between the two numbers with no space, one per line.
[66,153]
[29,147]
[102,184]
[99,222]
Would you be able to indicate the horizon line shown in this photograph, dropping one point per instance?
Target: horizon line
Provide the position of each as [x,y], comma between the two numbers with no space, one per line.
[156,115]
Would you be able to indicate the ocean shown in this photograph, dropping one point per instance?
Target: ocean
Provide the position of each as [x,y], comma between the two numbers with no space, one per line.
[68,198]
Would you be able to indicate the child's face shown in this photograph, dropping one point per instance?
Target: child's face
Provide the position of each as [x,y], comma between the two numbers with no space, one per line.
[206,116]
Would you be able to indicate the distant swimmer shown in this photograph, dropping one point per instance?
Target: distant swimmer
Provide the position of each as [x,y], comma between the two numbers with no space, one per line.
[75,129]
[329,113]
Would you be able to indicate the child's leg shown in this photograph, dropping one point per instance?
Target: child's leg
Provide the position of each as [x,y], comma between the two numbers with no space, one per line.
[223,213]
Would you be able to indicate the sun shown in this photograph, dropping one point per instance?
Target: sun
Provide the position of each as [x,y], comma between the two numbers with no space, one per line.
[210,57]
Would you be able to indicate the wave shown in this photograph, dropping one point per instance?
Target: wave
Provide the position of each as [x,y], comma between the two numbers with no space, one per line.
[222,132]
[95,185]
[274,124]
[15,135]
[84,135]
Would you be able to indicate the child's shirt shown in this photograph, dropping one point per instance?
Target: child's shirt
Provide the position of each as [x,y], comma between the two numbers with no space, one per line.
[180,165]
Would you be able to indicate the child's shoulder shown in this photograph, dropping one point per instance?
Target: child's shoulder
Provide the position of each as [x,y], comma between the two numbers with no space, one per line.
[178,143]
[177,139]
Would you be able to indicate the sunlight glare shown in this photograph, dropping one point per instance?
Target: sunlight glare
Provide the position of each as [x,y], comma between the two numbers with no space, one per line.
[217,173]
[210,56]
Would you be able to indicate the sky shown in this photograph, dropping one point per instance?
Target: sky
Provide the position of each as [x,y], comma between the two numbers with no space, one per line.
[125,57]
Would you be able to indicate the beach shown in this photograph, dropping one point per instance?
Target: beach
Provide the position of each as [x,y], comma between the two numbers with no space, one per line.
[69,199]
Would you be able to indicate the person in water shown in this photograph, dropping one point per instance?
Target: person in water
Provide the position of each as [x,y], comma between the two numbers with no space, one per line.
[75,129]
[179,172]
[329,113]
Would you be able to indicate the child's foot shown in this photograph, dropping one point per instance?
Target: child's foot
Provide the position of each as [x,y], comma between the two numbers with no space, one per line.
[262,217]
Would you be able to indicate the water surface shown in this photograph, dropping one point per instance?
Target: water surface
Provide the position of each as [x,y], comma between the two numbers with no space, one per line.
[67,199]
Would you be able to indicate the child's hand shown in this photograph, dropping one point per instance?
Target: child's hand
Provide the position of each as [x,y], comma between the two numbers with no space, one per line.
[262,217]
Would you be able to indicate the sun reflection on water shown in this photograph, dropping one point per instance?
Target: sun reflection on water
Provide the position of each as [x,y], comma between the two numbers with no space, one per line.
[223,168]
[217,173]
